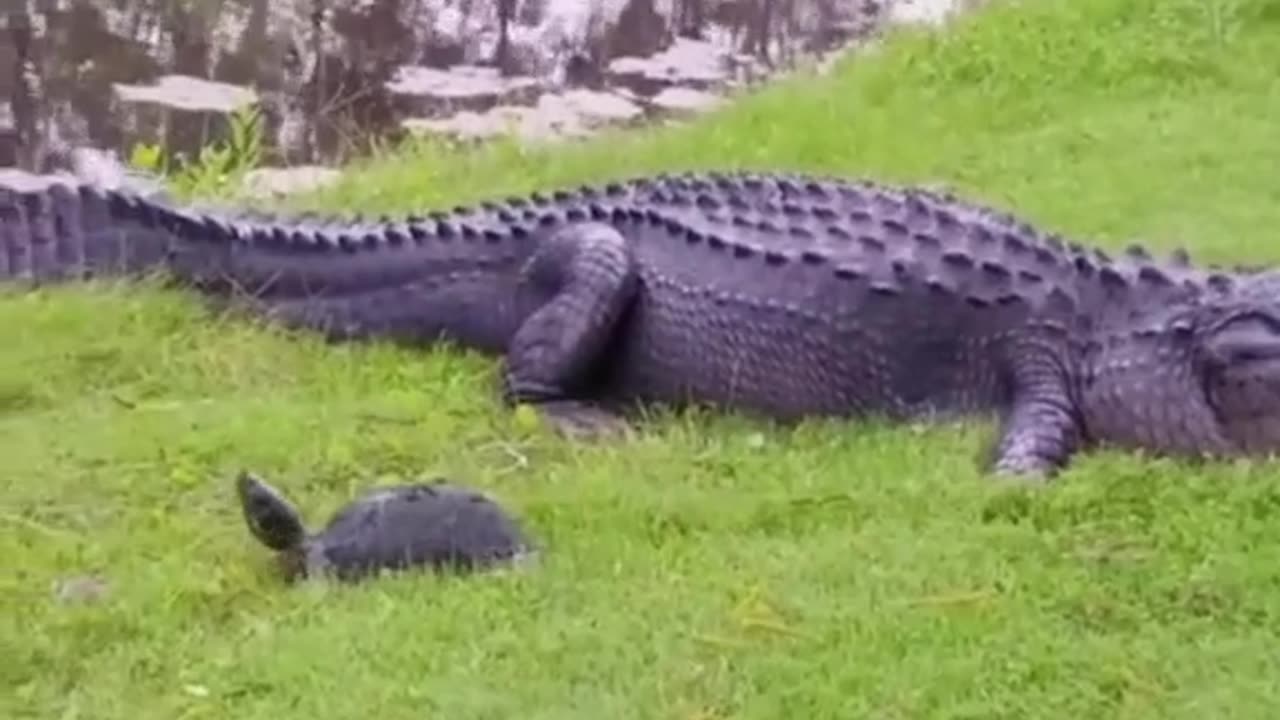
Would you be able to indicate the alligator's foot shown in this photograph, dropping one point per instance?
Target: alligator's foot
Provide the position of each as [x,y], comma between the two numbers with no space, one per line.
[1041,432]
[578,420]
[1024,469]
[1037,443]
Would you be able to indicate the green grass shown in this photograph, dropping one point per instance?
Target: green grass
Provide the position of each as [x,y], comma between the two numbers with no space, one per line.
[714,567]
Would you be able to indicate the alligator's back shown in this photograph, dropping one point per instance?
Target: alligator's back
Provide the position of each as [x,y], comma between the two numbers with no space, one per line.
[785,294]
[796,296]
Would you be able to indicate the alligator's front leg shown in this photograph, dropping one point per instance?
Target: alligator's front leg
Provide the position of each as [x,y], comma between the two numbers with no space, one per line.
[581,280]
[1042,429]
[1038,438]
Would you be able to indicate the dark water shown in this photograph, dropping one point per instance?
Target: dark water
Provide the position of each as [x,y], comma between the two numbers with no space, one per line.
[333,76]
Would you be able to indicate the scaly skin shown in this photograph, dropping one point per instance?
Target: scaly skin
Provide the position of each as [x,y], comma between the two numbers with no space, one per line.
[780,295]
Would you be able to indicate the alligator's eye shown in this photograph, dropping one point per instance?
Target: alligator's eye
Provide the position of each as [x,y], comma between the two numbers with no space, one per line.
[1244,339]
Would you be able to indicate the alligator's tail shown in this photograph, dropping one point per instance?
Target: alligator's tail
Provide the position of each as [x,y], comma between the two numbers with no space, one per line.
[56,228]
[418,278]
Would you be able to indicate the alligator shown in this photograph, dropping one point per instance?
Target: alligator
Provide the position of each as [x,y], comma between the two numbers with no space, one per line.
[779,295]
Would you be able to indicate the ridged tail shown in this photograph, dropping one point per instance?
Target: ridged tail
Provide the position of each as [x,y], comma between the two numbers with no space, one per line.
[413,279]
[55,229]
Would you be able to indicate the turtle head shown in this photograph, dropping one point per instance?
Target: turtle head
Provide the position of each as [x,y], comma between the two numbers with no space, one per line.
[272,519]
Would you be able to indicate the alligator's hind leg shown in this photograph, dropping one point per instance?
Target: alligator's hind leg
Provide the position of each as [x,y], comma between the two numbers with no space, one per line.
[581,281]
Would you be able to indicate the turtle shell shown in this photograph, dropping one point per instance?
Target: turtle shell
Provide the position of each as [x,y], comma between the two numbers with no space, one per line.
[434,525]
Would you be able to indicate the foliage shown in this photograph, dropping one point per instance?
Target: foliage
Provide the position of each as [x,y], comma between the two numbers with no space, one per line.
[219,167]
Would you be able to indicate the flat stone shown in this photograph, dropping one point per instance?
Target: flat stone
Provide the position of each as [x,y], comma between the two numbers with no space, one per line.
[81,589]
[466,125]
[28,182]
[687,62]
[87,165]
[685,100]
[555,116]
[184,92]
[461,82]
[528,124]
[278,182]
[924,12]
[595,106]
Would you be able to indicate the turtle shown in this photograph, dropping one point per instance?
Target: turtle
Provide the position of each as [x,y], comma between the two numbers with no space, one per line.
[433,524]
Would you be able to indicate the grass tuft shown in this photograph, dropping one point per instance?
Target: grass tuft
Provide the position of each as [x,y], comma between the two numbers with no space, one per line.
[714,567]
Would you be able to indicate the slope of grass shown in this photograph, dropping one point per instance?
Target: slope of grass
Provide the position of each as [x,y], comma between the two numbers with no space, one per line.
[713,567]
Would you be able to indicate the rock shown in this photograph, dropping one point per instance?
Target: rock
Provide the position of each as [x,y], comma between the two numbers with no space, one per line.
[278,182]
[596,107]
[924,12]
[76,165]
[359,69]
[183,92]
[572,114]
[534,125]
[463,87]
[685,100]
[698,63]
[80,589]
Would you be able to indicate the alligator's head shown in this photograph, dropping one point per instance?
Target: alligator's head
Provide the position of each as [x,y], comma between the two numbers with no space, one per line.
[1196,379]
[1238,347]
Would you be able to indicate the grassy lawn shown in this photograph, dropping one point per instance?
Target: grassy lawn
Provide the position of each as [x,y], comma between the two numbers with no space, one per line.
[714,567]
